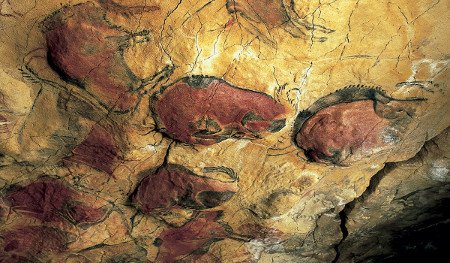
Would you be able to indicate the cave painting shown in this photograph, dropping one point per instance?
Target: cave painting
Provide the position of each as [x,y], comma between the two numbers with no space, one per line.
[98,150]
[207,110]
[14,259]
[351,124]
[173,186]
[124,252]
[129,168]
[278,14]
[49,200]
[85,48]
[193,239]
[34,241]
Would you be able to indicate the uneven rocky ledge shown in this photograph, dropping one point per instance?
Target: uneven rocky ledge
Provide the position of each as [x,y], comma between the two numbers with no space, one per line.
[224,131]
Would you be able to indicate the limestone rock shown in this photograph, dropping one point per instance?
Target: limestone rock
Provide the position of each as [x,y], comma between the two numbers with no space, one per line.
[223,130]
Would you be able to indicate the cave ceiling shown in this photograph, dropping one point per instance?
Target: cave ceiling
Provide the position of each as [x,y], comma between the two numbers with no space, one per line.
[221,130]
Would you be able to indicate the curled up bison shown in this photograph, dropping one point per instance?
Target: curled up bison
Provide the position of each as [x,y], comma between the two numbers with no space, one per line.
[221,131]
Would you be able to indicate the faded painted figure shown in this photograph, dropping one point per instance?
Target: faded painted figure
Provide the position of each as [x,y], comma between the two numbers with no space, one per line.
[352,123]
[279,14]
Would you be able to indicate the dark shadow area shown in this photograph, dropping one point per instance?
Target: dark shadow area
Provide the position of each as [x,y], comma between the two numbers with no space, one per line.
[426,241]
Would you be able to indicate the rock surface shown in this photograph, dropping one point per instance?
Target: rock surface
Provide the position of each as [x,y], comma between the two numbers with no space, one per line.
[224,131]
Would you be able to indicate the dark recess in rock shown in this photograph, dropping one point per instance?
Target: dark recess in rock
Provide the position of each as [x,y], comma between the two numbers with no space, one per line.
[419,235]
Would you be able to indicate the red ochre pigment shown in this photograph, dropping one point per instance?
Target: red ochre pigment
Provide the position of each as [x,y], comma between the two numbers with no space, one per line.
[338,131]
[13,258]
[83,214]
[51,201]
[98,150]
[35,240]
[175,186]
[212,111]
[85,48]
[195,236]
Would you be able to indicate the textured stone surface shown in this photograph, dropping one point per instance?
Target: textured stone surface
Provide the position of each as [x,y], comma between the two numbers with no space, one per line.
[403,215]
[223,130]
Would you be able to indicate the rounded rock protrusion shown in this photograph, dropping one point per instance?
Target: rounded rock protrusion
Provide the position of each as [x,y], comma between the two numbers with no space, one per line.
[351,124]
[207,110]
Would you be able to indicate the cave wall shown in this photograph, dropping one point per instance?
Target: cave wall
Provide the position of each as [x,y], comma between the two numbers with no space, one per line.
[223,131]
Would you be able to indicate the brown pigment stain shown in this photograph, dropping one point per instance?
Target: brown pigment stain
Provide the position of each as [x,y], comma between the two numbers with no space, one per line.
[98,150]
[35,240]
[84,48]
[194,237]
[270,12]
[338,131]
[2,101]
[175,186]
[205,110]
[51,201]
